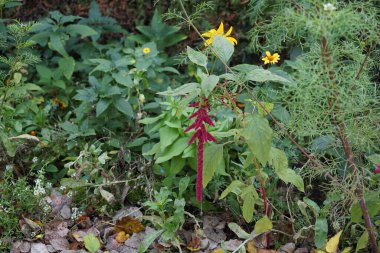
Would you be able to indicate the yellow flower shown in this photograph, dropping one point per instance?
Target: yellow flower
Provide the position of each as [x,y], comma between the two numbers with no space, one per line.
[146,50]
[269,58]
[220,32]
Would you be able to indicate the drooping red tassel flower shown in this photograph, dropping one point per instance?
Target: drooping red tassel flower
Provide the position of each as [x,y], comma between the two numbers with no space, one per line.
[377,170]
[201,116]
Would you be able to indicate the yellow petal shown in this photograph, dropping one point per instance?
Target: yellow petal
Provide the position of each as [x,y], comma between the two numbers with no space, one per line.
[332,244]
[209,33]
[208,42]
[268,53]
[232,40]
[221,28]
[229,31]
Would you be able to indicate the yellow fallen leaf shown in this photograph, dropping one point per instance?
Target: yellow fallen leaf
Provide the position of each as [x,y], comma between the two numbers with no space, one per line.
[251,247]
[319,251]
[121,237]
[217,251]
[332,244]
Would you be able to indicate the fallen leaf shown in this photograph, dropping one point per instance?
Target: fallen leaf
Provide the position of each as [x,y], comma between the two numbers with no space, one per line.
[91,242]
[218,251]
[195,244]
[332,244]
[121,237]
[129,225]
[251,247]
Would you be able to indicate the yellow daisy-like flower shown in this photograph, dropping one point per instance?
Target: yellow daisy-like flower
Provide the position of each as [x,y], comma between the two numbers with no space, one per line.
[146,50]
[220,32]
[270,59]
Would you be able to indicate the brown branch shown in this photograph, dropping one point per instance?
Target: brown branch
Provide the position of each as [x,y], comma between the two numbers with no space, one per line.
[365,60]
[334,106]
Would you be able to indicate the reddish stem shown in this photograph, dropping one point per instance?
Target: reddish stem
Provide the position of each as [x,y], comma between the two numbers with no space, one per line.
[198,187]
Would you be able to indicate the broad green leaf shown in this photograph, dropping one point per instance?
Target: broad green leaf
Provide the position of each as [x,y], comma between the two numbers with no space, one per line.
[258,136]
[123,78]
[175,149]
[82,30]
[279,161]
[209,83]
[182,90]
[197,57]
[45,73]
[262,75]
[268,108]
[123,106]
[235,187]
[149,239]
[182,185]
[362,242]
[67,66]
[87,95]
[263,225]
[102,105]
[321,230]
[176,165]
[248,207]
[333,242]
[91,243]
[238,231]
[223,48]
[57,45]
[167,136]
[213,157]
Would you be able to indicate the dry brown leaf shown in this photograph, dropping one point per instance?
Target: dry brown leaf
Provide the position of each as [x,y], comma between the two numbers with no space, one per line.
[121,237]
[129,225]
[251,247]
[195,244]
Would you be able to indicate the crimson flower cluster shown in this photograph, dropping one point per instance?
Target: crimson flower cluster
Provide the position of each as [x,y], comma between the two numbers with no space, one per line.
[201,117]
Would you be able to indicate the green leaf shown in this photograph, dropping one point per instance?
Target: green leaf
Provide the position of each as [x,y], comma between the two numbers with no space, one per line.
[362,242]
[182,90]
[238,231]
[102,105]
[249,196]
[167,136]
[258,136]
[57,45]
[213,157]
[87,95]
[279,161]
[321,230]
[197,57]
[45,74]
[175,149]
[223,48]
[67,66]
[235,187]
[82,30]
[91,243]
[72,183]
[263,225]
[123,78]
[209,83]
[149,239]
[176,165]
[262,75]
[148,121]
[375,159]
[124,106]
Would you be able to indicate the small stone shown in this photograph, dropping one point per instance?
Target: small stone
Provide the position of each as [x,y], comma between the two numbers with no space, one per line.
[301,250]
[39,248]
[65,212]
[288,248]
[25,247]
[59,243]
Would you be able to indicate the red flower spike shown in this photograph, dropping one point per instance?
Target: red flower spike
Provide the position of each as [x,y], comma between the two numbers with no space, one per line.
[377,170]
[203,136]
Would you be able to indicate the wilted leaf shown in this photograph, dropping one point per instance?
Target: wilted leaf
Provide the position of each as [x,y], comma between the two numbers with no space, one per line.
[332,244]
[129,225]
[121,237]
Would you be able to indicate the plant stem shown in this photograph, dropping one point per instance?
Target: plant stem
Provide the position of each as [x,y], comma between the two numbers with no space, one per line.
[334,106]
